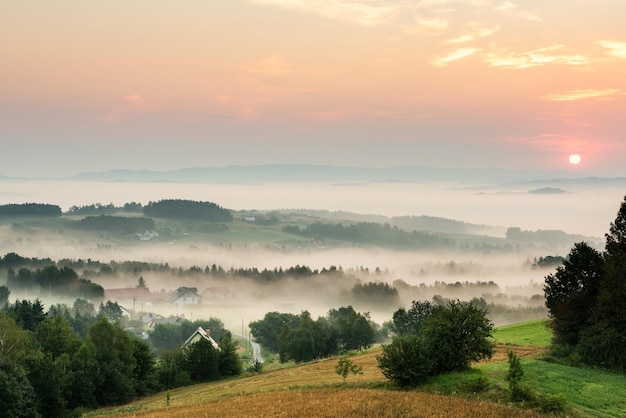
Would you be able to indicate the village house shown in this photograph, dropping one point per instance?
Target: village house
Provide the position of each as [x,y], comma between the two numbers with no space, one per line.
[216,294]
[184,296]
[198,335]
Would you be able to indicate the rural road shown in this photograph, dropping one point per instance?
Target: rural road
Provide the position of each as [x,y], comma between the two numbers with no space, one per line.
[256,352]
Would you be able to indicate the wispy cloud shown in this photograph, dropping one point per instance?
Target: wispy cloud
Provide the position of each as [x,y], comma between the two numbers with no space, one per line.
[615,48]
[126,106]
[427,14]
[242,109]
[583,94]
[509,7]
[369,13]
[135,100]
[475,32]
[534,58]
[272,66]
[444,60]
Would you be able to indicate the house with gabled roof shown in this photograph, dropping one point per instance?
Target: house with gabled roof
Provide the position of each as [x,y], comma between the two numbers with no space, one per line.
[216,294]
[185,296]
[198,335]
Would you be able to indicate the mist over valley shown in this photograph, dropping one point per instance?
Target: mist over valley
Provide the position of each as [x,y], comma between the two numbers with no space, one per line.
[423,240]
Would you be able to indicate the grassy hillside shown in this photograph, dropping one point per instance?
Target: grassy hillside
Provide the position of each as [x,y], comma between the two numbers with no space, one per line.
[533,333]
[315,389]
[309,390]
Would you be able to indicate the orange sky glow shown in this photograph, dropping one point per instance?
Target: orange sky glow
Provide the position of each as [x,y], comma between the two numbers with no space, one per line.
[469,83]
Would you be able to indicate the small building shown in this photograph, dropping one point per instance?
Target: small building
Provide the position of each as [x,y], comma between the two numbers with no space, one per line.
[200,334]
[172,319]
[185,296]
[216,294]
[136,297]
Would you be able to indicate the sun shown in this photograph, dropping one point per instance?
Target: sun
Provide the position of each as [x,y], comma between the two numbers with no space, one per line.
[575,159]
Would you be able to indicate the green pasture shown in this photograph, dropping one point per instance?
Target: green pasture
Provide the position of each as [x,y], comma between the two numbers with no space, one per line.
[532,333]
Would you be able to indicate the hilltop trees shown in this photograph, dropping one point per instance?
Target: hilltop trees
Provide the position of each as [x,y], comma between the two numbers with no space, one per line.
[30,209]
[301,338]
[188,209]
[53,280]
[586,298]
[434,339]
[571,293]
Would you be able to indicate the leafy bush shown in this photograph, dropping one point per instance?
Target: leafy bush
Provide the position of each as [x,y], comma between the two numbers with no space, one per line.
[552,403]
[476,384]
[435,340]
[406,361]
[564,354]
[345,366]
[255,367]
[520,392]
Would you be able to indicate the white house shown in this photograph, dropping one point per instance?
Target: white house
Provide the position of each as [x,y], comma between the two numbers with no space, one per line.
[199,334]
[185,296]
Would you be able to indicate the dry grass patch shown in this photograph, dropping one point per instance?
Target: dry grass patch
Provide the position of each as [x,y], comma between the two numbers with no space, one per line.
[338,402]
[281,385]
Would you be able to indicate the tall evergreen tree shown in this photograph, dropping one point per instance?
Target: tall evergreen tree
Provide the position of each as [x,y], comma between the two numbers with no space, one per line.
[587,299]
[571,293]
[616,237]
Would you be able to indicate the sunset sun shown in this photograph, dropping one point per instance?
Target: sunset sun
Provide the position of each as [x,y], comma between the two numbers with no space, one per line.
[574,159]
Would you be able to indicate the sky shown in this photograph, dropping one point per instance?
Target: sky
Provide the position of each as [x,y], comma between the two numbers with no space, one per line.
[163,84]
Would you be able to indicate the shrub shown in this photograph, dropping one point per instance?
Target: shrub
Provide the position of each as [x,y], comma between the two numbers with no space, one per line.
[564,354]
[405,361]
[520,392]
[476,384]
[255,367]
[552,403]
[346,366]
[523,392]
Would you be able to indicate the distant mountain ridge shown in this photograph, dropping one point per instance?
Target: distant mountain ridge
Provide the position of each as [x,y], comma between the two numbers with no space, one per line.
[308,172]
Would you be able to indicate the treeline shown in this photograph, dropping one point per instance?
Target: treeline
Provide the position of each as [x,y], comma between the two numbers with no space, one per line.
[54,281]
[49,369]
[30,209]
[301,338]
[549,261]
[121,224]
[188,209]
[586,297]
[448,289]
[368,233]
[423,222]
[432,223]
[173,209]
[376,294]
[100,209]
[553,236]
[93,268]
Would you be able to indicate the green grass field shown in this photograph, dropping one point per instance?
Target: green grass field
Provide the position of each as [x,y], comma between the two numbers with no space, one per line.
[533,333]
[589,392]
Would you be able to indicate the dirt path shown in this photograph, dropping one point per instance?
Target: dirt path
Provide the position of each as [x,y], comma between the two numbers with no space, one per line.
[523,351]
